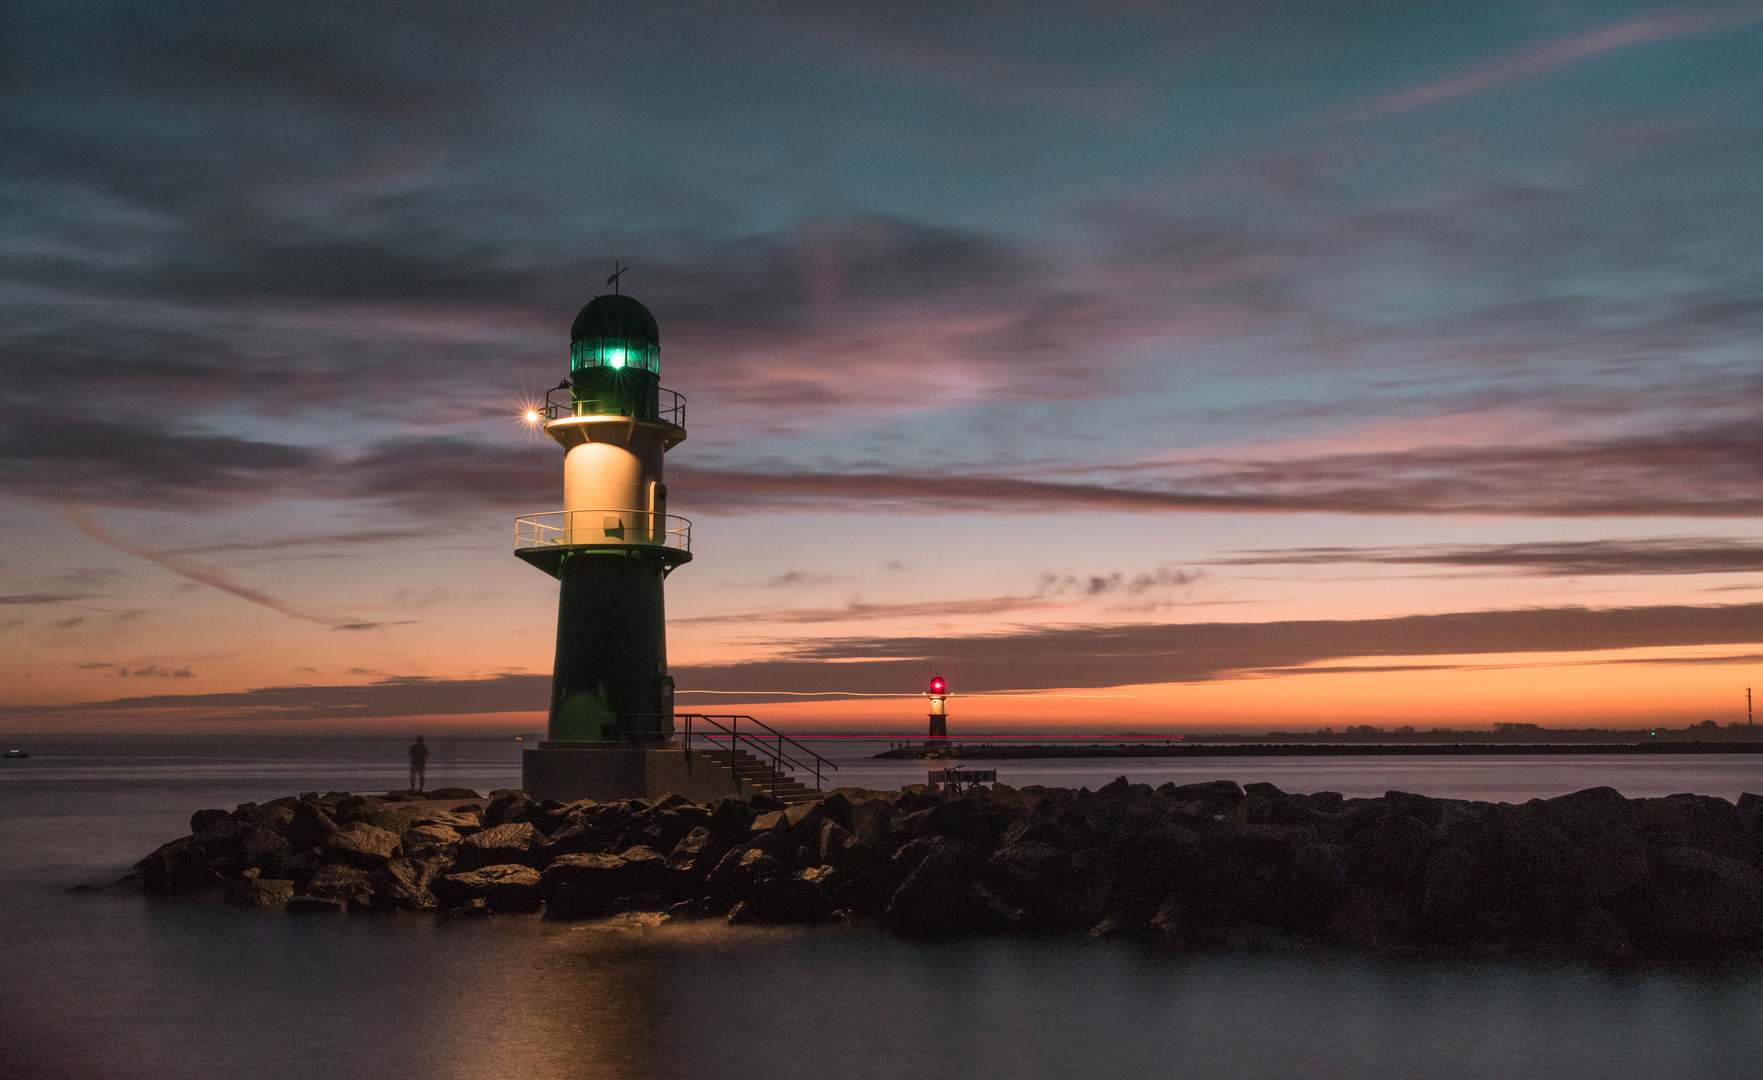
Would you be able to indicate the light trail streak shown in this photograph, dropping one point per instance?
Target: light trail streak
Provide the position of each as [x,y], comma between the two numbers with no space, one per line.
[859,693]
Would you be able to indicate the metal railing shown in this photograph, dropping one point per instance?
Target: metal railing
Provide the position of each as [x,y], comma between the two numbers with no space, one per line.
[561,402]
[766,741]
[567,528]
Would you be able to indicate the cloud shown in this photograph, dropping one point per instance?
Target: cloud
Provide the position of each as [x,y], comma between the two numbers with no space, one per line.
[1116,582]
[800,578]
[43,598]
[1660,555]
[207,575]
[1542,58]
[390,697]
[858,610]
[1047,658]
[1095,656]
[1710,472]
[53,455]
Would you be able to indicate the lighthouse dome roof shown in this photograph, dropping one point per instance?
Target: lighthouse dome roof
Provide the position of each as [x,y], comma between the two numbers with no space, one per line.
[615,316]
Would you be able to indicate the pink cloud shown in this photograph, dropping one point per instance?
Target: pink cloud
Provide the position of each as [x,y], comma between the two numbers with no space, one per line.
[1555,54]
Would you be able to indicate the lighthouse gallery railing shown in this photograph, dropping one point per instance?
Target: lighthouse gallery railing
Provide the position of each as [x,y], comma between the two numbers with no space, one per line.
[561,403]
[567,528]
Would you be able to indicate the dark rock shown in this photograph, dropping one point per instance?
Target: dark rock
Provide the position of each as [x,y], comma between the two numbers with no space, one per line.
[1699,897]
[787,899]
[264,850]
[449,794]
[942,896]
[405,883]
[508,887]
[1210,789]
[498,844]
[697,854]
[315,905]
[201,819]
[358,844]
[308,826]
[346,884]
[509,808]
[258,892]
[586,886]
[178,866]
[428,838]
[1054,887]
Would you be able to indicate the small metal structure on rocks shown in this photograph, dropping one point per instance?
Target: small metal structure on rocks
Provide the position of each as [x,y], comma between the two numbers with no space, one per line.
[963,779]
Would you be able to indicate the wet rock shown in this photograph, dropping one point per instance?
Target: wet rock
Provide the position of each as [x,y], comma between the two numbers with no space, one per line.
[943,897]
[448,794]
[307,826]
[177,867]
[498,844]
[509,808]
[263,850]
[508,887]
[201,819]
[261,892]
[346,884]
[362,845]
[315,905]
[1699,897]
[428,838]
[586,886]
[405,883]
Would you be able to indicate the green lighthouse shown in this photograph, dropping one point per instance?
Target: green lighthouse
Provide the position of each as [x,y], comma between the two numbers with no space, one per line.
[613,544]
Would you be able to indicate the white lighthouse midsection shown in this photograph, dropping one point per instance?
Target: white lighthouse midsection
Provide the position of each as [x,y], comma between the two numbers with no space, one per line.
[612,492]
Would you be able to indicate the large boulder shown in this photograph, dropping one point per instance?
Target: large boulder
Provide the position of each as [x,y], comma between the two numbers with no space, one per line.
[258,892]
[178,866]
[509,808]
[943,896]
[508,887]
[360,844]
[406,883]
[307,825]
[428,838]
[498,844]
[349,885]
[1699,898]
[201,819]
[589,886]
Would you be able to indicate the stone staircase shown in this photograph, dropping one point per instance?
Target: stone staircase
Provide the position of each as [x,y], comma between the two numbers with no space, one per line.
[753,776]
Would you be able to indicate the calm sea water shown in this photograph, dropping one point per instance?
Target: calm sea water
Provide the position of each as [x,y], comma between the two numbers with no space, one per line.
[119,986]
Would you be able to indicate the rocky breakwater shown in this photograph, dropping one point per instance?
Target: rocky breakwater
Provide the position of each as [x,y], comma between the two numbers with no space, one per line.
[1592,875]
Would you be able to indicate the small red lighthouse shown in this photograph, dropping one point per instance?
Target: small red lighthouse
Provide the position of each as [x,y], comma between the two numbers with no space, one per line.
[939,716]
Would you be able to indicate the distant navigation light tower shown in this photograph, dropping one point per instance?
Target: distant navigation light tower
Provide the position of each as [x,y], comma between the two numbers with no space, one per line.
[939,715]
[610,547]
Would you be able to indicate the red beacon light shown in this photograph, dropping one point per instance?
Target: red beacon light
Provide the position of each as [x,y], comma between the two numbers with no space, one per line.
[937,685]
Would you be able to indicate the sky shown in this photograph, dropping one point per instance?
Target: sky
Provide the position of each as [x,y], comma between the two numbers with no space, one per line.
[1151,367]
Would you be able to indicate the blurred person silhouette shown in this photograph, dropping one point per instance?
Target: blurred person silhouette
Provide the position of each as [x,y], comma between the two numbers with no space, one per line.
[419,761]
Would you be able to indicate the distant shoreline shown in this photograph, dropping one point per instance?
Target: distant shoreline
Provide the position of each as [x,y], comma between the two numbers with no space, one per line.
[992,751]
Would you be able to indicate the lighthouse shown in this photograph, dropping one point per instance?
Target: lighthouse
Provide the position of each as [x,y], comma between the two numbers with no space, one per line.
[938,693]
[611,549]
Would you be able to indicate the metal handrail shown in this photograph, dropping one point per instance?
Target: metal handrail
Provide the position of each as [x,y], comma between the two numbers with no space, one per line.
[566,528]
[771,743]
[670,408]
